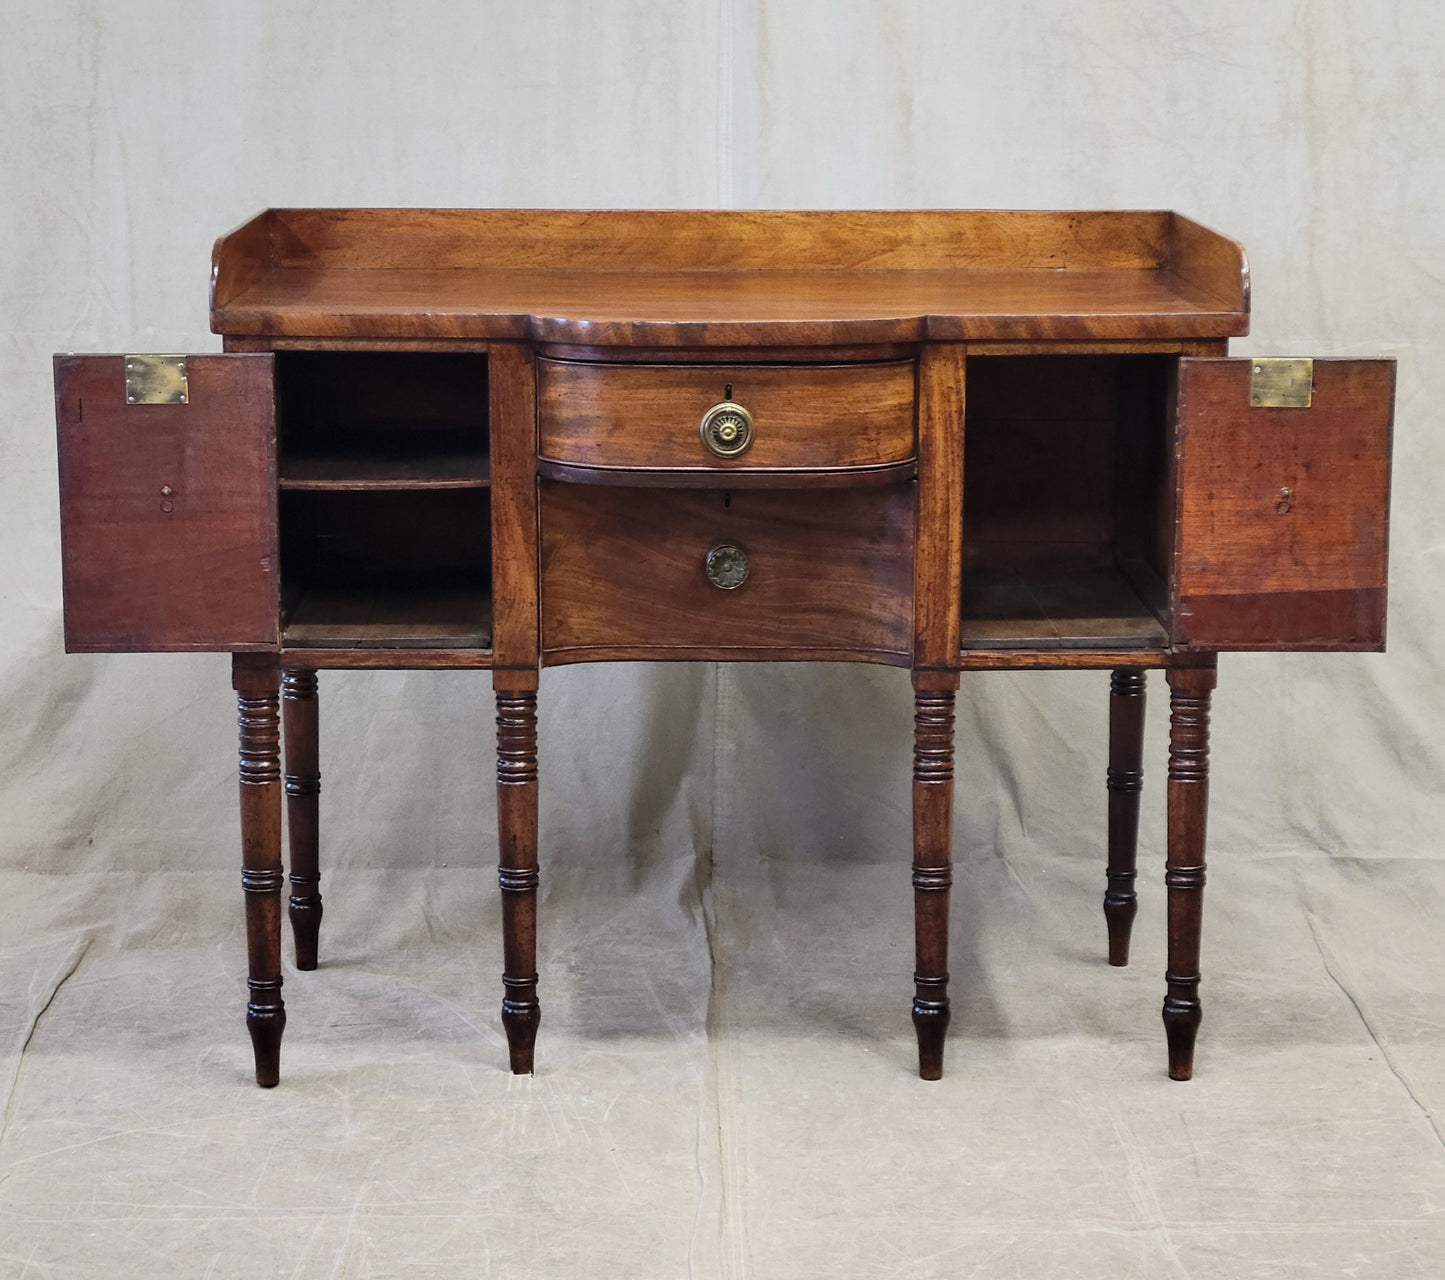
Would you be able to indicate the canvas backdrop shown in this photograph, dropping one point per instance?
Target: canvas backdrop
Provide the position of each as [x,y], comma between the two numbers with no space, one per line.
[131,135]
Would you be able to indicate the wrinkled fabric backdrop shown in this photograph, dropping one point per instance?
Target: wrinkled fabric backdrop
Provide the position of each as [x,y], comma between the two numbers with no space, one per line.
[132,135]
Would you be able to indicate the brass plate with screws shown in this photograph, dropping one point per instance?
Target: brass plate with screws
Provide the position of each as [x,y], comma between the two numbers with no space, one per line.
[156,380]
[1281,384]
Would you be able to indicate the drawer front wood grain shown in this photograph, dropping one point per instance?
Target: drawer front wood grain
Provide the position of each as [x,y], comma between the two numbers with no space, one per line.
[1282,513]
[806,417]
[168,512]
[623,573]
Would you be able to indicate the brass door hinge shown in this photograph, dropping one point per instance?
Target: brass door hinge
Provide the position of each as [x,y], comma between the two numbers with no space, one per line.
[156,380]
[1281,384]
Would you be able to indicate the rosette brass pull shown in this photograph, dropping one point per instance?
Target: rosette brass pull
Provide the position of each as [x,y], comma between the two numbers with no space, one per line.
[726,566]
[726,429]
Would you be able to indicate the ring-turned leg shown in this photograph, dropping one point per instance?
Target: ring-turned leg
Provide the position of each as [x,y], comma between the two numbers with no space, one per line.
[303,792]
[932,870]
[1125,780]
[257,678]
[517,872]
[1188,802]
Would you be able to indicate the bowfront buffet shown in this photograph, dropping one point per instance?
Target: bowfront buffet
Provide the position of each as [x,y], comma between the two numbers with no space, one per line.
[942,441]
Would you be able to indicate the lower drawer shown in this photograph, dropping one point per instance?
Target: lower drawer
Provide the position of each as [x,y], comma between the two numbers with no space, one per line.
[824,573]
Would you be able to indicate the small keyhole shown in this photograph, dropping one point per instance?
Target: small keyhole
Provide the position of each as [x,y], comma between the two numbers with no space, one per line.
[728,391]
[727,499]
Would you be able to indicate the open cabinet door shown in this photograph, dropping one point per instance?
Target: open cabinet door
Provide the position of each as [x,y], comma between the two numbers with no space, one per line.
[1282,512]
[168,502]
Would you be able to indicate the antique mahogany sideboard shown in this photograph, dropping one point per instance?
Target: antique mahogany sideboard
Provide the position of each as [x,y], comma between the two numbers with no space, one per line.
[943,441]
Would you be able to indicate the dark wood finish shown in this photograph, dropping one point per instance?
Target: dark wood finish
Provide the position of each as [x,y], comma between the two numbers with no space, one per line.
[1188,805]
[1124,780]
[512,380]
[932,871]
[303,819]
[852,478]
[1063,606]
[937,565]
[361,618]
[438,469]
[517,872]
[986,441]
[1282,513]
[389,658]
[257,679]
[830,570]
[806,417]
[733,278]
[168,512]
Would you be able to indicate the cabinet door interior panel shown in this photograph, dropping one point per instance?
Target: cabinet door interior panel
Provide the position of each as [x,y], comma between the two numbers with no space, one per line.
[168,511]
[1282,512]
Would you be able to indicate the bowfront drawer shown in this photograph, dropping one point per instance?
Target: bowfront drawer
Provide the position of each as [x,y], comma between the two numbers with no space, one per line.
[698,573]
[727,418]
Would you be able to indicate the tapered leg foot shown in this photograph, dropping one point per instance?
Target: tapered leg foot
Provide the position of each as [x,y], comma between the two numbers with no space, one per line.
[932,869]
[303,792]
[266,1022]
[1188,805]
[931,1016]
[257,679]
[1125,781]
[517,874]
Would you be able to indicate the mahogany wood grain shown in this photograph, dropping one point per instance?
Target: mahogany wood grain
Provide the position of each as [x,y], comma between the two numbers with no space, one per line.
[512,380]
[653,478]
[1209,261]
[1124,780]
[932,870]
[1190,688]
[829,570]
[388,658]
[727,308]
[168,512]
[1282,514]
[635,240]
[300,711]
[806,417]
[257,678]
[517,872]
[938,558]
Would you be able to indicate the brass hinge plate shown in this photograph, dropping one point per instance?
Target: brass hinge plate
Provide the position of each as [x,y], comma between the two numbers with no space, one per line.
[156,380]
[1281,384]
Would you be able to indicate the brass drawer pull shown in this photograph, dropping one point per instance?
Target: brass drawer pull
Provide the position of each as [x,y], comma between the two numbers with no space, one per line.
[726,566]
[727,429]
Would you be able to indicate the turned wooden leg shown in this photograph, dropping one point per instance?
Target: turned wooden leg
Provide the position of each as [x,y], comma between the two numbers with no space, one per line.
[1125,780]
[256,678]
[1189,690]
[517,873]
[932,870]
[303,793]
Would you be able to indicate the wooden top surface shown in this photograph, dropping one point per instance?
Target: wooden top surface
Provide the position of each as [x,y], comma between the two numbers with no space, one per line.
[734,278]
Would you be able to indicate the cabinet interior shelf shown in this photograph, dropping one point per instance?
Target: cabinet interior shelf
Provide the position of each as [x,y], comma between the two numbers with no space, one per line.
[365,618]
[1056,607]
[424,469]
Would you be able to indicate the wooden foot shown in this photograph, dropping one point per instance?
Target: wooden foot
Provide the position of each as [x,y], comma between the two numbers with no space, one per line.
[1188,803]
[1125,780]
[303,798]
[932,871]
[256,678]
[517,873]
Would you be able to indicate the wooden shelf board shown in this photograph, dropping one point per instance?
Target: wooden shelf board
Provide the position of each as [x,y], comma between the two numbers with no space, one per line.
[432,469]
[430,618]
[1065,607]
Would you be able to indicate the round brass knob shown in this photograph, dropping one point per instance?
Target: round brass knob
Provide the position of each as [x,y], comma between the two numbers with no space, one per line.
[726,566]
[726,429]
